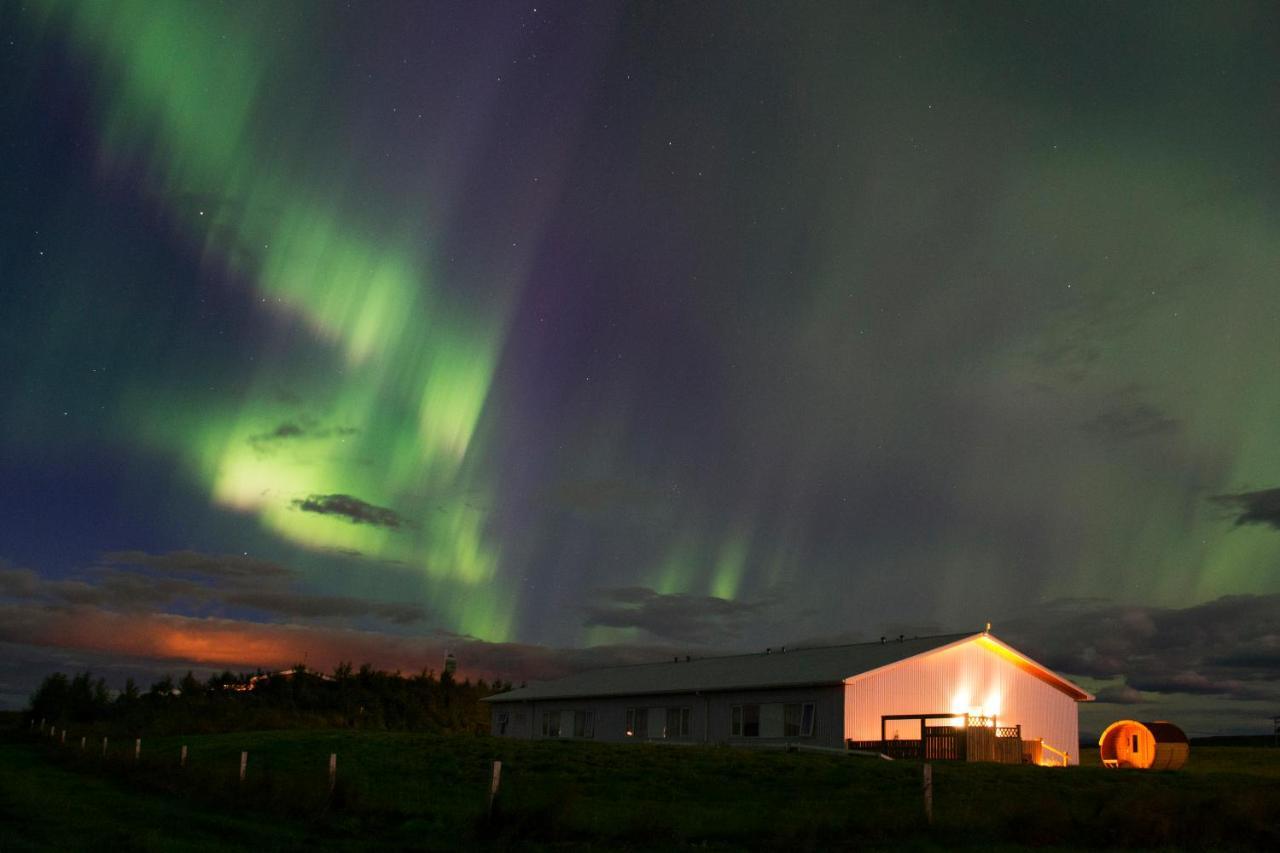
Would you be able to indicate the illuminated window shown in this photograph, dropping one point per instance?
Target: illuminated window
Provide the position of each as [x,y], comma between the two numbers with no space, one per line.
[637,722]
[551,724]
[584,724]
[797,720]
[745,721]
[502,722]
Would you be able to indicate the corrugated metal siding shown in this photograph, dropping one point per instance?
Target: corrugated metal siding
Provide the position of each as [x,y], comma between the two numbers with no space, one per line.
[710,713]
[958,679]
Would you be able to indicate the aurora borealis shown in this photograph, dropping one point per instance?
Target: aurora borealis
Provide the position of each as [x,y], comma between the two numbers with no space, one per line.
[570,332]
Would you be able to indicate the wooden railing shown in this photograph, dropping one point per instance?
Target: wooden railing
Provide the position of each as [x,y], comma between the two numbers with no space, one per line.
[1001,744]
[944,743]
[1057,754]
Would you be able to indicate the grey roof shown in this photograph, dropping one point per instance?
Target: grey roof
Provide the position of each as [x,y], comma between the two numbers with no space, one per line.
[790,668]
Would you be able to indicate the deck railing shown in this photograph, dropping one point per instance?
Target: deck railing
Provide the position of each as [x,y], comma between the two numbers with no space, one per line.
[1059,758]
[1002,744]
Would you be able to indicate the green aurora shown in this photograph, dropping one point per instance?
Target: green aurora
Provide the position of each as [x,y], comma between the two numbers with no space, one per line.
[568,326]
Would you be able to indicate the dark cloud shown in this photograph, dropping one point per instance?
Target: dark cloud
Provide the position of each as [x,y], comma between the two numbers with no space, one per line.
[136,582]
[1129,420]
[17,582]
[1204,681]
[1263,652]
[1261,507]
[198,563]
[266,442]
[129,591]
[1227,648]
[102,587]
[345,552]
[285,430]
[325,606]
[1119,694]
[353,509]
[688,618]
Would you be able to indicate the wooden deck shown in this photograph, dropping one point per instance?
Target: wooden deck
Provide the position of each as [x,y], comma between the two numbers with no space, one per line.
[979,740]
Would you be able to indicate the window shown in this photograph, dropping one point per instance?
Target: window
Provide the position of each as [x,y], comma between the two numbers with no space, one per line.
[745,721]
[637,722]
[797,720]
[502,722]
[551,724]
[677,722]
[584,724]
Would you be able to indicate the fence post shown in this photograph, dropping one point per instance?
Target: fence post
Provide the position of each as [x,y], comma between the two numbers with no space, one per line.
[137,749]
[63,739]
[104,746]
[182,759]
[244,761]
[333,771]
[83,738]
[928,793]
[42,725]
[493,786]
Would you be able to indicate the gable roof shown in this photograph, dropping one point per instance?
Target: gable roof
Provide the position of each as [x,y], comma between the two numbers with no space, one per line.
[790,668]
[799,667]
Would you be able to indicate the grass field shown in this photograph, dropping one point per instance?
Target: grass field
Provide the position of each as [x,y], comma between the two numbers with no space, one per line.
[415,791]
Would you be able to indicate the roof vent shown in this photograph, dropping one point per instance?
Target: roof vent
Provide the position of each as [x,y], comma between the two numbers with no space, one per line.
[901,637]
[686,658]
[769,650]
[782,648]
[882,641]
[675,659]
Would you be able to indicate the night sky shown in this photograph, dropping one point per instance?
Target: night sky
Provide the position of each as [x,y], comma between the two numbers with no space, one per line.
[564,334]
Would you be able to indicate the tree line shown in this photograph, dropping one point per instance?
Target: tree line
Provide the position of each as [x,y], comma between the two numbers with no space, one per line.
[363,698]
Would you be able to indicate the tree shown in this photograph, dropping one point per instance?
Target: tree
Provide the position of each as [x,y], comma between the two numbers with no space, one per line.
[50,699]
[191,687]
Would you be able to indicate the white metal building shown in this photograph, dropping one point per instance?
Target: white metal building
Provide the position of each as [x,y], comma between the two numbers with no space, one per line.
[906,696]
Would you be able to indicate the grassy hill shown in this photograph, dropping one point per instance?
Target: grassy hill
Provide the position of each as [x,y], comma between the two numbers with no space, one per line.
[412,790]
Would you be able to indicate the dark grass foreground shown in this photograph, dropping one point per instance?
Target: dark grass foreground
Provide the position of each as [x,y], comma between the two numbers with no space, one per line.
[404,791]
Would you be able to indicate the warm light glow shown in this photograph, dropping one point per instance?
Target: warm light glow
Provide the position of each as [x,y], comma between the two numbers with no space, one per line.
[991,707]
[962,704]
[225,646]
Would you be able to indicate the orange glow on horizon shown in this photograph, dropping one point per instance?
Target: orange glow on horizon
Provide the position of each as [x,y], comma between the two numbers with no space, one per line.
[219,646]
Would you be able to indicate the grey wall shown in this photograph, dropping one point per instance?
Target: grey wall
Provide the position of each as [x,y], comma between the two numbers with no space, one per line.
[710,714]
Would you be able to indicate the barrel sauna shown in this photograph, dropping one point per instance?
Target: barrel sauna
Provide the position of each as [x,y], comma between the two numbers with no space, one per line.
[1145,746]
